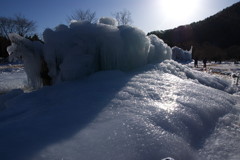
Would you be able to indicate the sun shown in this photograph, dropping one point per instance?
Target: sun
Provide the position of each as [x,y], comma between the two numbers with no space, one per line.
[179,10]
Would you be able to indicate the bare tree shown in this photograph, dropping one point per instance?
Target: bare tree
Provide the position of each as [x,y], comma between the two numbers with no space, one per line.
[19,24]
[123,17]
[24,26]
[83,15]
[7,25]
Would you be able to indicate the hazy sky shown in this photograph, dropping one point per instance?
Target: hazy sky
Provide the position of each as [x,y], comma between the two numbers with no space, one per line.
[148,15]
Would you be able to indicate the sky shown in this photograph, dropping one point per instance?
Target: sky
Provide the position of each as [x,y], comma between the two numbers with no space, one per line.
[148,15]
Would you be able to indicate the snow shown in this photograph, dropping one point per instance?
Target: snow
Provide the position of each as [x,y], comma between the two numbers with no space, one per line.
[199,77]
[108,21]
[11,94]
[226,68]
[153,112]
[12,77]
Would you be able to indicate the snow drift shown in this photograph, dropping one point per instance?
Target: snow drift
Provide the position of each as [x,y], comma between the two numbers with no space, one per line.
[184,72]
[155,112]
[84,48]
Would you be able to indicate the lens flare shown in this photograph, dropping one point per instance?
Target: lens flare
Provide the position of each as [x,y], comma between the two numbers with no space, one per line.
[179,11]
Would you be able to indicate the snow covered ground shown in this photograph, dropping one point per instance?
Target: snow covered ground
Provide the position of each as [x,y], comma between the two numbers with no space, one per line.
[157,111]
[12,76]
[226,70]
[221,68]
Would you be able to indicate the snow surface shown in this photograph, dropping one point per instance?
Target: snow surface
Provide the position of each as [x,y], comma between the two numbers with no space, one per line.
[154,112]
[12,77]
[226,68]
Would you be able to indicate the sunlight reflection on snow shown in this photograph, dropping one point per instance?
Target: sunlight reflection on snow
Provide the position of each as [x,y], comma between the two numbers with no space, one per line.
[170,107]
[168,98]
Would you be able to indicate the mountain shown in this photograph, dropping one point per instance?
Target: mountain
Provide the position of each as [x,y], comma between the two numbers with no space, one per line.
[215,38]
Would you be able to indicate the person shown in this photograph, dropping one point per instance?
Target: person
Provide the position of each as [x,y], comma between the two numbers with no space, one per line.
[204,63]
[196,62]
[237,76]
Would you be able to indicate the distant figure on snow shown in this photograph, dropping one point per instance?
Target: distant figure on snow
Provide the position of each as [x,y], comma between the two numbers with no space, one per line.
[196,62]
[204,63]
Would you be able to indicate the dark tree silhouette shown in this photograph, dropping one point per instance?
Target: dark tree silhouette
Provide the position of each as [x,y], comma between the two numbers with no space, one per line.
[24,26]
[83,15]
[19,24]
[4,43]
[7,25]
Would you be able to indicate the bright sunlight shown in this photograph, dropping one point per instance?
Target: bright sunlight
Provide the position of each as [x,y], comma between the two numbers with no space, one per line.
[179,10]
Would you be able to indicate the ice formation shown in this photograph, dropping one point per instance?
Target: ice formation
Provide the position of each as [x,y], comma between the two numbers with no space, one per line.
[83,48]
[108,21]
[31,53]
[181,55]
[158,46]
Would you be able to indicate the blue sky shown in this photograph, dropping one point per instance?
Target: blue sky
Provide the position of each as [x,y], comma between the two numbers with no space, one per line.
[148,15]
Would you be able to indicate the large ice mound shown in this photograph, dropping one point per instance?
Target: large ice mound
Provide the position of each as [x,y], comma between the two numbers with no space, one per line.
[181,55]
[74,51]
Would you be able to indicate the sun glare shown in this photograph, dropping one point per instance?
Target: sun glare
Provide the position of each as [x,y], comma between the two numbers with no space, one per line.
[179,10]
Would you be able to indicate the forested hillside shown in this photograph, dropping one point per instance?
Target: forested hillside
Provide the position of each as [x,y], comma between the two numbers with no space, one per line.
[215,38]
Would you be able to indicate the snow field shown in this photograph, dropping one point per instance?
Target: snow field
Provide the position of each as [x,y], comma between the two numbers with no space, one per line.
[12,77]
[225,70]
[150,113]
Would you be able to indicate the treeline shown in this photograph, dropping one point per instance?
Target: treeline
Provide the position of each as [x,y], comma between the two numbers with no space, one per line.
[18,24]
[215,38]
